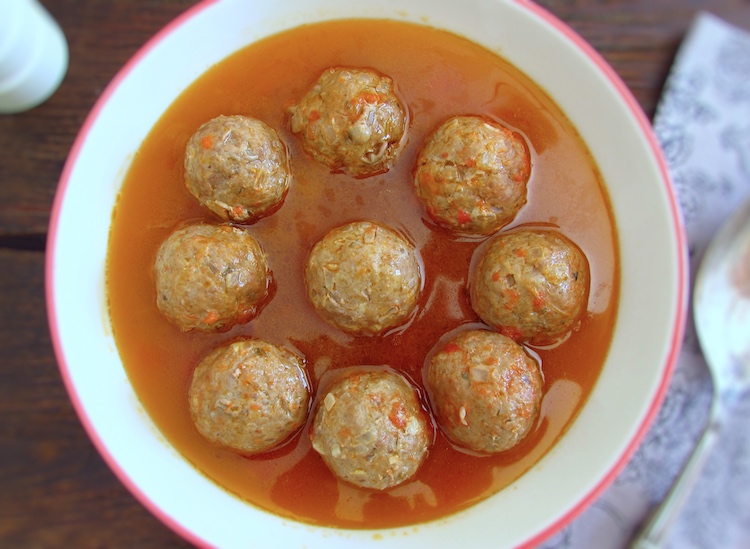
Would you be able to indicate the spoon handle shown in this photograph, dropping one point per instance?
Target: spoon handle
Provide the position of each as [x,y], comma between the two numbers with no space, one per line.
[653,533]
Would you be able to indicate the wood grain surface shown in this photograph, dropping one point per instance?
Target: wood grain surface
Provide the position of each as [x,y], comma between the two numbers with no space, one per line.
[56,489]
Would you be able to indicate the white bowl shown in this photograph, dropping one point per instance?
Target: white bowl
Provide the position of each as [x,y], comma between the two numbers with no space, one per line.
[649,322]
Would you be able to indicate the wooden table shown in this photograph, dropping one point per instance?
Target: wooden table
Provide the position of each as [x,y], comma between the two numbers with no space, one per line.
[56,490]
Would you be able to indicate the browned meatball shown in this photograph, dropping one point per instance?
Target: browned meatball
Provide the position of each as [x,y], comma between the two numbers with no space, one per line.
[210,277]
[471,175]
[351,120]
[249,395]
[532,285]
[363,278]
[237,167]
[485,390]
[370,429]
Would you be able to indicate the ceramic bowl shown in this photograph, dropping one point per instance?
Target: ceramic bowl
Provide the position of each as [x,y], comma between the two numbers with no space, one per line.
[651,245]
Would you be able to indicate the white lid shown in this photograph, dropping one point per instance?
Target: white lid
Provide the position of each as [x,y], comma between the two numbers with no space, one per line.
[33,55]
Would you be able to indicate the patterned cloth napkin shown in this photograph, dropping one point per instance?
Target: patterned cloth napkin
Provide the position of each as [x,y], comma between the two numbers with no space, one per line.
[703,125]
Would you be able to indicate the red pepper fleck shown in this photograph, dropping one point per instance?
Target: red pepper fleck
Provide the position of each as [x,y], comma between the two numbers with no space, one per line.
[452,348]
[313,117]
[211,317]
[511,298]
[207,142]
[364,97]
[511,332]
[470,162]
[398,414]
[463,217]
[539,302]
[425,177]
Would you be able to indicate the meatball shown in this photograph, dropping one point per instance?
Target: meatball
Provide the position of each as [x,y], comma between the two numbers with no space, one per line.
[210,277]
[471,175]
[363,278]
[237,167]
[485,390]
[249,396]
[532,285]
[351,120]
[370,429]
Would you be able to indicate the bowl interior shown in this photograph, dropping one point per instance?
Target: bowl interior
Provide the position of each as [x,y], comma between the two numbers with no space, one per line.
[652,299]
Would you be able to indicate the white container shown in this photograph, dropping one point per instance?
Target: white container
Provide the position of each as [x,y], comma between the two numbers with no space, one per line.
[33,55]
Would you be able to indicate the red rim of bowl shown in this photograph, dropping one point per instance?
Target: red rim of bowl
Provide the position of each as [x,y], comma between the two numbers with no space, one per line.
[645,126]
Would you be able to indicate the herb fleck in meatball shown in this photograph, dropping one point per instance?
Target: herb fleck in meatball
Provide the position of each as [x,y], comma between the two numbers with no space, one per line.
[370,429]
[237,167]
[472,174]
[351,120]
[209,278]
[363,278]
[532,285]
[485,390]
[249,396]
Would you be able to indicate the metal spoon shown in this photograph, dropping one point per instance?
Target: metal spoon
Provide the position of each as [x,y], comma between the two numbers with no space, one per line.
[721,309]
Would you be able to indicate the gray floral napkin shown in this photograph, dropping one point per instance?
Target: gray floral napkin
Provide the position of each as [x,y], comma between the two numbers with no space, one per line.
[703,125]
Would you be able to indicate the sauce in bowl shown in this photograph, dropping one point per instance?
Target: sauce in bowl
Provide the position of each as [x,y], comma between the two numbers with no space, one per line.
[438,75]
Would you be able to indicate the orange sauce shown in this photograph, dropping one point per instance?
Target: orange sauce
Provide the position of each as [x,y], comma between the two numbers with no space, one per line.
[438,75]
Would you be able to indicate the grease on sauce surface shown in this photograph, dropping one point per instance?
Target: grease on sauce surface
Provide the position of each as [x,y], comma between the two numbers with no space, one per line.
[438,75]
